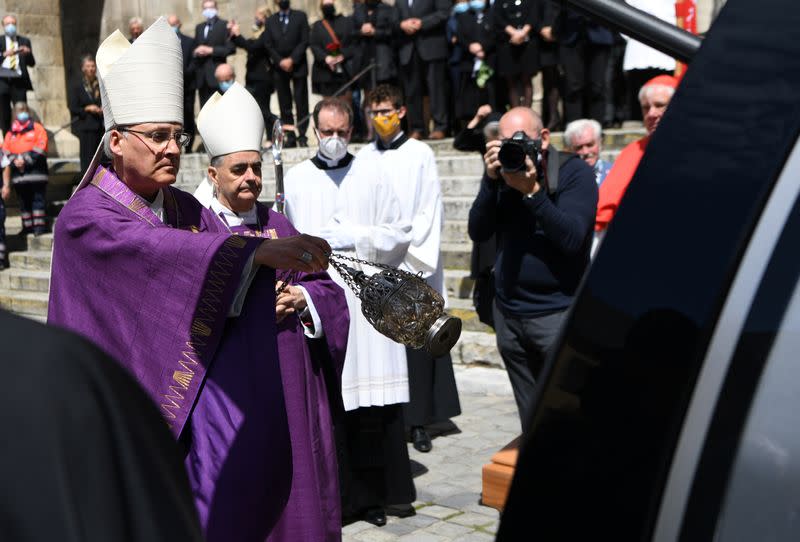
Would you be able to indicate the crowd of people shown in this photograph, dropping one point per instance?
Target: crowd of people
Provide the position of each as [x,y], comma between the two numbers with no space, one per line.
[303,412]
[448,57]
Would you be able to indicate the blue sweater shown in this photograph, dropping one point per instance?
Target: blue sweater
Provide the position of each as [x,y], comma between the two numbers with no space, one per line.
[543,242]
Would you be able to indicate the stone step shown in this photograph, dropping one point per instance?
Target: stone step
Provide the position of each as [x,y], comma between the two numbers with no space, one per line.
[457,208]
[32,304]
[458,283]
[455,231]
[35,260]
[25,280]
[475,347]
[463,309]
[456,255]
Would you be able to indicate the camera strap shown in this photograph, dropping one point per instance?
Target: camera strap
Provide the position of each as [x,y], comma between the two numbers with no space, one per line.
[555,159]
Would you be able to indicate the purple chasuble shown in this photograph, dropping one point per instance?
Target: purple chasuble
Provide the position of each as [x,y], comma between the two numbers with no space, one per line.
[156,297]
[314,508]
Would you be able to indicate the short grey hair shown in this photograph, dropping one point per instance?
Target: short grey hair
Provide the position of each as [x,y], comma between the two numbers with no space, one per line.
[107,142]
[647,88]
[217,160]
[577,127]
[135,20]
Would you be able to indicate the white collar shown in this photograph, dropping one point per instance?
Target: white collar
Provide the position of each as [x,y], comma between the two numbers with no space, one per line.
[158,205]
[330,162]
[248,218]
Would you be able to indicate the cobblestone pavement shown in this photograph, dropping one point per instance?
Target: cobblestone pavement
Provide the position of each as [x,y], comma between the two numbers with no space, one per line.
[448,478]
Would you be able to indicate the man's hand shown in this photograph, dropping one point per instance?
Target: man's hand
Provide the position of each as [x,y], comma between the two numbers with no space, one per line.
[287,64]
[299,253]
[410,26]
[5,192]
[547,34]
[491,161]
[24,49]
[233,28]
[203,50]
[525,181]
[367,29]
[475,48]
[93,109]
[290,301]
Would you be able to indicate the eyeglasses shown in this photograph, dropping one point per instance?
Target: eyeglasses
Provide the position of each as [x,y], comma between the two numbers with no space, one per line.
[376,112]
[162,137]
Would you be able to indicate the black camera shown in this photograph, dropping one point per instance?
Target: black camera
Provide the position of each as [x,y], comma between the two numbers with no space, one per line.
[516,148]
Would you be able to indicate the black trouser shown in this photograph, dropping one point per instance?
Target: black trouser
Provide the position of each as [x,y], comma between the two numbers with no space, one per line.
[524,344]
[32,206]
[284,84]
[261,91]
[89,141]
[188,114]
[416,75]
[584,80]
[12,94]
[551,94]
[616,99]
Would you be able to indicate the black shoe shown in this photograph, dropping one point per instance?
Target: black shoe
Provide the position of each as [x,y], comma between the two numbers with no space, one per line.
[302,142]
[400,510]
[421,440]
[289,140]
[376,516]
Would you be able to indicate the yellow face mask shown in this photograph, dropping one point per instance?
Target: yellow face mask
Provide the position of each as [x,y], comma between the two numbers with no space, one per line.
[385,125]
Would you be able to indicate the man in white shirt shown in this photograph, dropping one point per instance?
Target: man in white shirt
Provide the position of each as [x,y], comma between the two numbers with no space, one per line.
[410,165]
[345,201]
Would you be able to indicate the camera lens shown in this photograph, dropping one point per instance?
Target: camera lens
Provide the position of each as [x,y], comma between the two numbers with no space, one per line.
[512,156]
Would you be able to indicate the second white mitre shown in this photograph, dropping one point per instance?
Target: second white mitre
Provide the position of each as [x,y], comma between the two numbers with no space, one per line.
[231,122]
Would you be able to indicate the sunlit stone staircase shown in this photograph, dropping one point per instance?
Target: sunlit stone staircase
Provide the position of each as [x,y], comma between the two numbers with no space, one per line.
[24,286]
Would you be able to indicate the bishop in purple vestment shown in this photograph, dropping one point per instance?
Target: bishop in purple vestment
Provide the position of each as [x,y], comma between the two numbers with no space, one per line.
[154,279]
[312,315]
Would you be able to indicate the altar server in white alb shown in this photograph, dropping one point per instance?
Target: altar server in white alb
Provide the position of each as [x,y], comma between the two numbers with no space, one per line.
[344,200]
[411,167]
[312,306]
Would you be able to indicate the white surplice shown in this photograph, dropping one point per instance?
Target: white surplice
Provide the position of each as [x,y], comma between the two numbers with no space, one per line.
[411,167]
[355,199]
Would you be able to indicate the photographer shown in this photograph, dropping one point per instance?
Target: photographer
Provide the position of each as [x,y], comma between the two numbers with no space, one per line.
[540,203]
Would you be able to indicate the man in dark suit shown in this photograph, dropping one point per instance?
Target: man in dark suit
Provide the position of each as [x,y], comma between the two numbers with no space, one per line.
[287,41]
[212,48]
[86,110]
[423,54]
[14,79]
[584,50]
[189,85]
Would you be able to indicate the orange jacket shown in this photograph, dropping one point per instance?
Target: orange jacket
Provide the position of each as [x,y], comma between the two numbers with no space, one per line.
[29,141]
[615,184]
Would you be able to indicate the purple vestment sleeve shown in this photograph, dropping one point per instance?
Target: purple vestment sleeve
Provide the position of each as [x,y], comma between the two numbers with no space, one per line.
[153,297]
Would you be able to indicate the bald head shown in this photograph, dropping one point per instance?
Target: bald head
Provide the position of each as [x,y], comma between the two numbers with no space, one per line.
[173,21]
[520,118]
[224,72]
[526,120]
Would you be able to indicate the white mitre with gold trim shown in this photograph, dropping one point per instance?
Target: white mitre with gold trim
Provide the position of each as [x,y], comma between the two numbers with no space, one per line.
[231,122]
[140,82]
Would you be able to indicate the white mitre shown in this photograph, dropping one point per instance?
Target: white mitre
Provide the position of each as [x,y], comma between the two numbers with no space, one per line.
[140,82]
[231,122]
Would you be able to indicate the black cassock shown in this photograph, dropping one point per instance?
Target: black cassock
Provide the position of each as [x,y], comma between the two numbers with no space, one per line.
[84,454]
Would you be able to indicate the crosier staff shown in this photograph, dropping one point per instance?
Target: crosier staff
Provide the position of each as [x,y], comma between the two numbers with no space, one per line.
[277,160]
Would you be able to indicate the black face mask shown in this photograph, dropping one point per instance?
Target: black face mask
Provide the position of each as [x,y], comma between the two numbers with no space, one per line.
[329,10]
[284,5]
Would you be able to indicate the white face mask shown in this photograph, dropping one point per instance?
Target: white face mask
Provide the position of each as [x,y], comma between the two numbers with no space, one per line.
[209,13]
[333,147]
